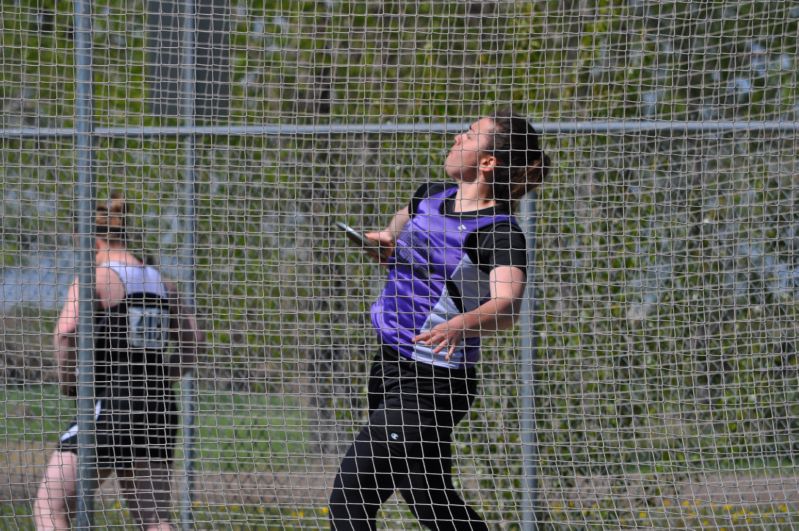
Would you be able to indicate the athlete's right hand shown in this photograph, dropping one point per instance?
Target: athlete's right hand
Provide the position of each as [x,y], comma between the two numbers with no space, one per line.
[385,241]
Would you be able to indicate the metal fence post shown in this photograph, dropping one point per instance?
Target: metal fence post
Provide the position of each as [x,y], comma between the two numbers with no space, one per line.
[528,343]
[87,473]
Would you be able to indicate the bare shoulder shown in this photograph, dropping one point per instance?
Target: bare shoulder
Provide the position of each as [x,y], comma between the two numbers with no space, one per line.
[104,274]
[109,287]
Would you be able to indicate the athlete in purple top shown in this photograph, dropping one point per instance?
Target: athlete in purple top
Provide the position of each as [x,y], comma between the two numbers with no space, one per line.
[456,262]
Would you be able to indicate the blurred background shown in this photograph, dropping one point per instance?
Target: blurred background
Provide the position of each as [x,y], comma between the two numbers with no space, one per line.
[665,379]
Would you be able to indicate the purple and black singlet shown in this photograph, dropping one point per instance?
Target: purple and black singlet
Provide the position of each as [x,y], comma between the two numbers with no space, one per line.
[432,278]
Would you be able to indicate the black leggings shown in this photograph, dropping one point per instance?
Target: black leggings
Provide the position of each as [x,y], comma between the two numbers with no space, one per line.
[406,446]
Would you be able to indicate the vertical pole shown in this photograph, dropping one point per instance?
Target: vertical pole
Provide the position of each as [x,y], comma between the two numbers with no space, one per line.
[527,414]
[87,473]
[188,383]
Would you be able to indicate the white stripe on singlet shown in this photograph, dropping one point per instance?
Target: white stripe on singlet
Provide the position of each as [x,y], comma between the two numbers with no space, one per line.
[73,430]
[138,278]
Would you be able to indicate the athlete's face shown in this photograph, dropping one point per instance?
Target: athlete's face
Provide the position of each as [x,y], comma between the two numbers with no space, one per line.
[468,154]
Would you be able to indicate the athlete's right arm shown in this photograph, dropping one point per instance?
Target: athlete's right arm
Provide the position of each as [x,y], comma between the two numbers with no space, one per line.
[64,341]
[388,236]
[398,222]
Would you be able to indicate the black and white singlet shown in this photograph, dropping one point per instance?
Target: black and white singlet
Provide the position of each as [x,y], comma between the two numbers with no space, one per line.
[135,408]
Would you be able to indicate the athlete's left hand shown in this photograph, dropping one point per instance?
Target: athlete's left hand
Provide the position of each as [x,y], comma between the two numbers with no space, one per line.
[448,335]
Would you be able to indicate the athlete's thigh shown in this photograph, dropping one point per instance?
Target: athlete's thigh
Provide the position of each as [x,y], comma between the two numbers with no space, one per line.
[60,477]
[59,486]
[366,464]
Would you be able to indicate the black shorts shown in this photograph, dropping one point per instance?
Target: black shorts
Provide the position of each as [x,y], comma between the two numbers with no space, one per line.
[128,430]
[412,403]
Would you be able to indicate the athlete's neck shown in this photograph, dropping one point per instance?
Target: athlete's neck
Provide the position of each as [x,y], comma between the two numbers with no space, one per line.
[472,196]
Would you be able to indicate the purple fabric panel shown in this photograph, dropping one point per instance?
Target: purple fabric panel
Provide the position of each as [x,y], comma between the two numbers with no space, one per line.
[428,252]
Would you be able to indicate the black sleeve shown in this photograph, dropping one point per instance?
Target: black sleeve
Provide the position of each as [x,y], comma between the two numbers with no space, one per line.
[423,192]
[501,244]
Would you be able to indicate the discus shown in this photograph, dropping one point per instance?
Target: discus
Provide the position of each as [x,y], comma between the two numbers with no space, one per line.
[358,238]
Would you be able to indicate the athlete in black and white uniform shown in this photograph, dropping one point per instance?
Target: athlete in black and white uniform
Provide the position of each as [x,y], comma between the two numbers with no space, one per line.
[136,408]
[456,272]
[144,337]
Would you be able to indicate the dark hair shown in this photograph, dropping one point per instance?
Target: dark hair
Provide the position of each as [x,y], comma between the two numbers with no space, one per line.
[521,163]
[111,219]
[111,225]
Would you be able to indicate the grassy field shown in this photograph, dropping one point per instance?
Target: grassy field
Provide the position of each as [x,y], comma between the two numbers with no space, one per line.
[234,431]
[113,515]
[237,434]
[252,435]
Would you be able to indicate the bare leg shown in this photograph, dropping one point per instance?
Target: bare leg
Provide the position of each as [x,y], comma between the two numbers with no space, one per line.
[148,492]
[55,499]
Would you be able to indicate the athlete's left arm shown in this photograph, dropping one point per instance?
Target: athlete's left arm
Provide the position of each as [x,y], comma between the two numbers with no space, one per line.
[498,313]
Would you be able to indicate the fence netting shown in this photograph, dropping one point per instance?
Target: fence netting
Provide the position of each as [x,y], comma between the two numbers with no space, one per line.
[664,273]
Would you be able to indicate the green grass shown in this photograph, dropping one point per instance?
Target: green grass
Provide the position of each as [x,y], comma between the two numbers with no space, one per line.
[34,413]
[112,515]
[234,431]
[246,432]
[686,515]
[251,431]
